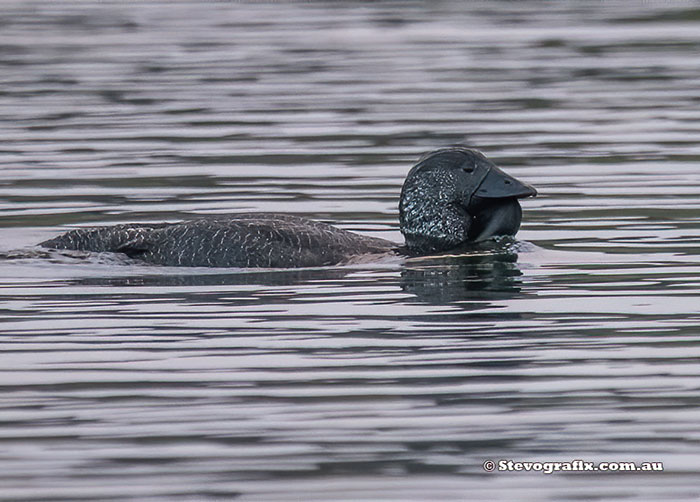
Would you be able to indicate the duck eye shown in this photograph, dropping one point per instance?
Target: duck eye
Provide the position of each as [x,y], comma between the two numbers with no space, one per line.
[507,182]
[468,169]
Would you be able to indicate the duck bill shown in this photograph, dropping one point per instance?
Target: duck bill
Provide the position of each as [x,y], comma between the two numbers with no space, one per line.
[494,205]
[500,185]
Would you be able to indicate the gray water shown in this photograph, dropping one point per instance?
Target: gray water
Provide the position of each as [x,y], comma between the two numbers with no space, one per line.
[377,382]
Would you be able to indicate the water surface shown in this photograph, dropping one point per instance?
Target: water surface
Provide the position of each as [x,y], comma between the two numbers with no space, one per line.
[383,381]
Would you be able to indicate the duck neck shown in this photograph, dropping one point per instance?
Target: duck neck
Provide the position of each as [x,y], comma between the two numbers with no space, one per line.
[434,228]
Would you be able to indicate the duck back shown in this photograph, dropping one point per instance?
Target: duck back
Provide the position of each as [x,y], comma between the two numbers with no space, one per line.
[243,240]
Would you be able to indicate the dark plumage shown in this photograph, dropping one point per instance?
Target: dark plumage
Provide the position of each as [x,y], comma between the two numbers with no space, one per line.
[243,240]
[451,197]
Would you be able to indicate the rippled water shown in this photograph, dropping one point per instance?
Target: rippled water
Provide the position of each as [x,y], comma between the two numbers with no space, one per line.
[387,381]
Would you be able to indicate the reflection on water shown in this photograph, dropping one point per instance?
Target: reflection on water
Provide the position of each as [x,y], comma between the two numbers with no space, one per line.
[381,381]
[481,276]
[482,271]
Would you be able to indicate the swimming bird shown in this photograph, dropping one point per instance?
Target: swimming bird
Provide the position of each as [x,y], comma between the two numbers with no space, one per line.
[450,198]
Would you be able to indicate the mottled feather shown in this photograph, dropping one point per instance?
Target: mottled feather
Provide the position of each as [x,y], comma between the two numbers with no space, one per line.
[242,240]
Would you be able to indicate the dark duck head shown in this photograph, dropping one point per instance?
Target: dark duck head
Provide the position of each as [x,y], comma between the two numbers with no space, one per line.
[455,196]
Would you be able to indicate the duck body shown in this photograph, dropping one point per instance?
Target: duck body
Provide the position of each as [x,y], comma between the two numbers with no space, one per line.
[451,197]
[251,240]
